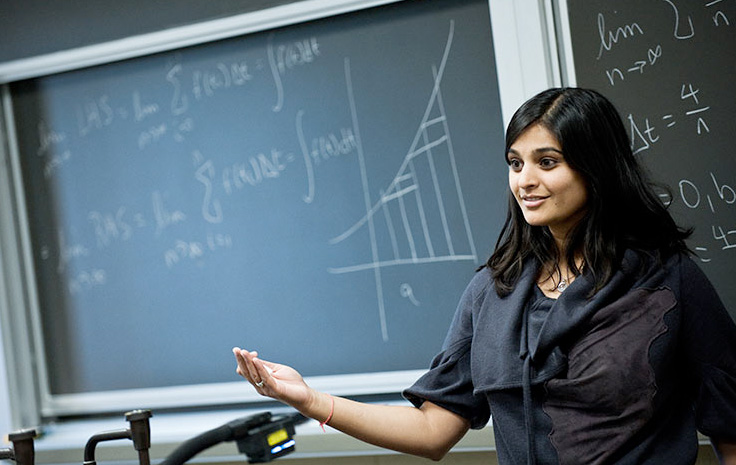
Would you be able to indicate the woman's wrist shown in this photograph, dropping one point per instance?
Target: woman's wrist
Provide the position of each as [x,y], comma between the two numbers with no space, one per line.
[329,415]
[319,406]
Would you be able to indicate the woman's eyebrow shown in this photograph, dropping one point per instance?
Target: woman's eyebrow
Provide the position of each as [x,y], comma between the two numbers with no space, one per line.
[538,150]
[548,149]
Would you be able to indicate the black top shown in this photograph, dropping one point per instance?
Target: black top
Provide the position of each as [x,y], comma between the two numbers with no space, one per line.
[610,379]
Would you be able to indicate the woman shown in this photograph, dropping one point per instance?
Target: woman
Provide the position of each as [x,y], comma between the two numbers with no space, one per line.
[589,335]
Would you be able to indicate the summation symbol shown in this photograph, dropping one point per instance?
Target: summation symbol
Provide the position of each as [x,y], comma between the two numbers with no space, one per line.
[412,210]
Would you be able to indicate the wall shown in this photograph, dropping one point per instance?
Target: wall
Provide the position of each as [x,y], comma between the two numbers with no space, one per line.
[5,423]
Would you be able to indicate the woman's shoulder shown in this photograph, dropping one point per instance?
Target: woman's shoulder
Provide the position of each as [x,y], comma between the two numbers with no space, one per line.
[682,264]
[480,285]
[481,281]
[482,275]
[638,261]
[677,270]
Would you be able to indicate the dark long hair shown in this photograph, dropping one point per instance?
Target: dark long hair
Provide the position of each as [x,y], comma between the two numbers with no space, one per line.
[623,210]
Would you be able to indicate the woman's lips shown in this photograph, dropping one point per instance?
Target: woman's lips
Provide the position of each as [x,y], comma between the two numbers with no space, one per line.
[532,201]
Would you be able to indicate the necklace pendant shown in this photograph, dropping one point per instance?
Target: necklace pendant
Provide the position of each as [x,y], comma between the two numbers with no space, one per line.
[562,286]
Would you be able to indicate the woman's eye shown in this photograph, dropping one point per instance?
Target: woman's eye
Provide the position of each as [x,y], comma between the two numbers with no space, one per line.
[547,162]
[515,164]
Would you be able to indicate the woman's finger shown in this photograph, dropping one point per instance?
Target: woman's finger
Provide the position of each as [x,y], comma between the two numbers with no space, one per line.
[253,373]
[264,371]
[256,371]
[242,369]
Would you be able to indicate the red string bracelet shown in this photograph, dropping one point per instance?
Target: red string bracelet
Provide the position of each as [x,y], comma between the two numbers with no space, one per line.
[329,417]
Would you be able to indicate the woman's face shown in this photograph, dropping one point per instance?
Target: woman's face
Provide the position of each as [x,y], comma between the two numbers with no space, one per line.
[549,192]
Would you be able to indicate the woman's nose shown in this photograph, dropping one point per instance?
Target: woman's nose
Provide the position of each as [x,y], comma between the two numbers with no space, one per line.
[527,177]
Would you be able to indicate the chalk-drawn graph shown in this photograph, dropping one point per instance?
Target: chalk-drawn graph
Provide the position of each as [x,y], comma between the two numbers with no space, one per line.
[414,208]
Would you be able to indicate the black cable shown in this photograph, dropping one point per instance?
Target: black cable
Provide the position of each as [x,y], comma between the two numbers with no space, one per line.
[197,444]
[231,431]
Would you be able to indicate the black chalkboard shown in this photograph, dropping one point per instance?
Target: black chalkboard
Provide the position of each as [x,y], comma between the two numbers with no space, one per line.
[670,67]
[321,192]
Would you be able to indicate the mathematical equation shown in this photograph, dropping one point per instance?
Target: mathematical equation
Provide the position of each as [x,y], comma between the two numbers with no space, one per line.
[683,28]
[157,121]
[217,182]
[719,199]
[170,111]
[644,133]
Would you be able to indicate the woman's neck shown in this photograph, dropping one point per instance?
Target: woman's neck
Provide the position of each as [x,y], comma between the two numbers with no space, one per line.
[556,275]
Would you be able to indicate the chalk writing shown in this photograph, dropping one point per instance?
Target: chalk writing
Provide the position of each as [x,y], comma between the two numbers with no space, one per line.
[641,139]
[48,140]
[609,38]
[693,198]
[653,54]
[724,236]
[178,129]
[407,292]
[179,100]
[668,66]
[690,193]
[118,225]
[296,53]
[323,148]
[431,146]
[688,92]
[183,250]
[143,110]
[163,216]
[55,161]
[725,192]
[643,134]
[191,250]
[206,82]
[211,208]
[333,145]
[719,16]
[85,280]
[181,128]
[147,196]
[67,252]
[151,135]
[254,170]
[95,113]
[249,172]
[309,197]
[47,137]
[681,31]
[284,57]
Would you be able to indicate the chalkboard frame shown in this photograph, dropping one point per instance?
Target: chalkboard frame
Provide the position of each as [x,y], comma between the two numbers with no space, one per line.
[180,37]
[512,93]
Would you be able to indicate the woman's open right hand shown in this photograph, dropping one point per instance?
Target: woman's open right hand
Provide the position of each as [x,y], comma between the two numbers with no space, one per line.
[274,380]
